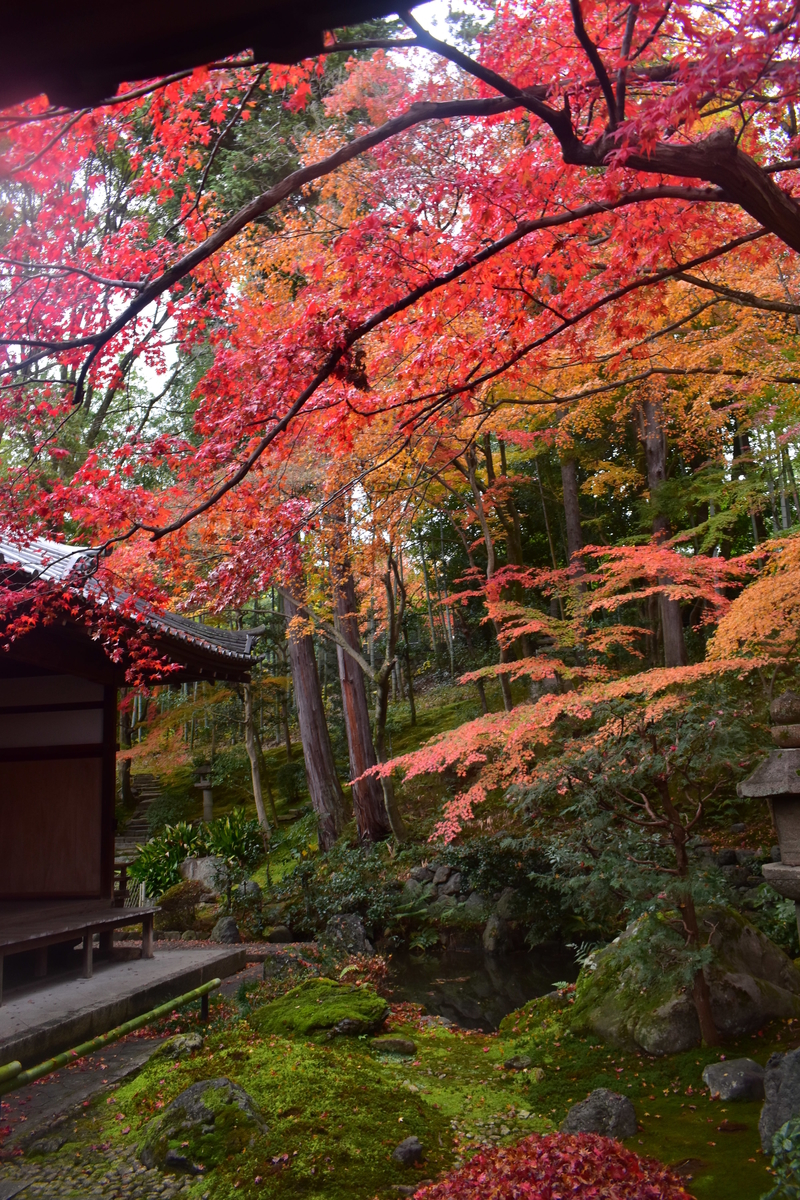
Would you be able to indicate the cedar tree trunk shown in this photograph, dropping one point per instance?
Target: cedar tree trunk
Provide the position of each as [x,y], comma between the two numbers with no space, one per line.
[572,518]
[324,788]
[255,769]
[651,433]
[368,800]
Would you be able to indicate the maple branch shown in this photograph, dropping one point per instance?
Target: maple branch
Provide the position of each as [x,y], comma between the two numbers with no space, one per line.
[716,158]
[412,297]
[622,73]
[416,114]
[54,140]
[593,54]
[222,135]
[442,397]
[71,270]
[748,299]
[371,44]
[532,97]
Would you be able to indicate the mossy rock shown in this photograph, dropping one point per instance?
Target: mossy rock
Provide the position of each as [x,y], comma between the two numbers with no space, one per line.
[179,906]
[203,1126]
[322,1008]
[751,982]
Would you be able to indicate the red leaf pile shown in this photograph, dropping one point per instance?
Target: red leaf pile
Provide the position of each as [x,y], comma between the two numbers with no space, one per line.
[559,1166]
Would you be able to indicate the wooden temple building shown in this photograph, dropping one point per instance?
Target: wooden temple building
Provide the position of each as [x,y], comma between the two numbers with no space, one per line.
[58,744]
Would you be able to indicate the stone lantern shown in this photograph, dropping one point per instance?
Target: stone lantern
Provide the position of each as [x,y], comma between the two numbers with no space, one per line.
[777,780]
[204,782]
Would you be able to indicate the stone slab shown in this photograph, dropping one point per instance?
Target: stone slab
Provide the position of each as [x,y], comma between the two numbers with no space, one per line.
[35,1111]
[40,1021]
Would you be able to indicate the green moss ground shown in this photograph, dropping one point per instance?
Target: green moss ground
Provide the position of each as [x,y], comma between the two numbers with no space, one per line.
[679,1122]
[336,1110]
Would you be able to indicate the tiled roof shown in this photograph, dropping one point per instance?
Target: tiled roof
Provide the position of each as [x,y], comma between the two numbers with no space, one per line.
[59,562]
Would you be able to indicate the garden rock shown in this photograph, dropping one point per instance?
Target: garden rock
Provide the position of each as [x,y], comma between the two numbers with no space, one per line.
[409,1152]
[735,1079]
[495,935]
[181,1046]
[520,1062]
[452,886]
[604,1112]
[505,905]
[179,906]
[226,930]
[412,889]
[321,1009]
[441,906]
[422,874]
[726,858]
[248,892]
[394,1045]
[209,871]
[476,903]
[752,982]
[441,874]
[208,1122]
[781,1095]
[280,933]
[775,854]
[345,934]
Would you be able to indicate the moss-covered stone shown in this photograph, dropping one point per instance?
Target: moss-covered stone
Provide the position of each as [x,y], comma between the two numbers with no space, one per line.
[205,1124]
[322,1008]
[751,980]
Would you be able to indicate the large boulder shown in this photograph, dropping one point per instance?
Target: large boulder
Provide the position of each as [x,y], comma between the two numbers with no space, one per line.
[751,981]
[735,1079]
[781,1095]
[209,871]
[495,935]
[207,1123]
[604,1112]
[179,906]
[345,934]
[321,1009]
[409,1152]
[506,904]
[226,930]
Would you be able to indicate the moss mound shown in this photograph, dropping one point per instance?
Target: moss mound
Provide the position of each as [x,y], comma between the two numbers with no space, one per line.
[322,1008]
[201,1127]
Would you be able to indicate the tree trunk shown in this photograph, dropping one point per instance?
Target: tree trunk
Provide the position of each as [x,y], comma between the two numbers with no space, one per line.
[255,769]
[505,686]
[572,519]
[411,702]
[691,927]
[395,613]
[324,788]
[653,438]
[368,798]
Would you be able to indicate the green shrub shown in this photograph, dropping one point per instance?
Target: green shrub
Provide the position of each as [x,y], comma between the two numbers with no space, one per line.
[291,780]
[786,1162]
[236,838]
[157,866]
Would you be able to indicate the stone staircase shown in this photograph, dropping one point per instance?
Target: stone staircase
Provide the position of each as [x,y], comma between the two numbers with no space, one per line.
[146,789]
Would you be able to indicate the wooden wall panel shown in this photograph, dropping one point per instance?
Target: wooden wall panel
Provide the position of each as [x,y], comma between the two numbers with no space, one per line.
[50,828]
